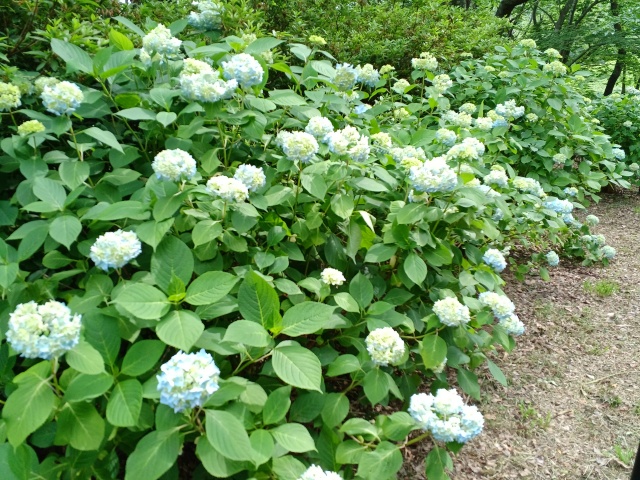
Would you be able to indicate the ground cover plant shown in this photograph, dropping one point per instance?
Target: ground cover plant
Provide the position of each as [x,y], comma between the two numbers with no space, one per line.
[205,274]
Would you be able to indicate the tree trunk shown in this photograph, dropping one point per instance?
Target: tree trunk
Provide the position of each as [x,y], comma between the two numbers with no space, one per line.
[506,7]
[617,69]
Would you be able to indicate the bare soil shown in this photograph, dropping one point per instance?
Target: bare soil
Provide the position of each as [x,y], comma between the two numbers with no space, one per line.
[572,407]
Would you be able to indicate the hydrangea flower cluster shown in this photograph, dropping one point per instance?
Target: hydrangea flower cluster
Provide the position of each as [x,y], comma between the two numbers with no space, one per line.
[174,165]
[446,137]
[382,140]
[608,252]
[462,119]
[495,259]
[42,82]
[512,325]
[188,380]
[43,331]
[425,62]
[115,249]
[592,220]
[470,149]
[468,108]
[298,146]
[553,53]
[331,276]
[401,153]
[400,86]
[386,69]
[440,368]
[559,158]
[483,123]
[528,43]
[159,45]
[441,83]
[570,191]
[497,176]
[593,240]
[384,346]
[451,312]
[244,69]
[627,124]
[531,117]
[345,77]
[208,16]
[618,153]
[29,127]
[528,185]
[509,109]
[252,177]
[9,97]
[552,258]
[314,472]
[199,81]
[63,98]
[367,75]
[556,68]
[348,141]
[228,189]
[500,305]
[433,176]
[561,207]
[446,416]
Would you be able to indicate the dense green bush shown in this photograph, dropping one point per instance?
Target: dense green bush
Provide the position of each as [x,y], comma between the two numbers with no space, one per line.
[388,32]
[325,275]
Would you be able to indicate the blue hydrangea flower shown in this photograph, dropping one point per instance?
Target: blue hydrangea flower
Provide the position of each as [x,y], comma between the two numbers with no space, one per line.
[500,305]
[63,98]
[500,122]
[367,75]
[345,77]
[243,68]
[561,207]
[115,249]
[552,258]
[571,191]
[43,331]
[512,325]
[188,380]
[495,259]
[618,153]
[608,252]
[433,176]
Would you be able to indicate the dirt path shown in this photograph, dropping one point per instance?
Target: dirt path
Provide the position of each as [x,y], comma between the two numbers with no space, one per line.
[572,409]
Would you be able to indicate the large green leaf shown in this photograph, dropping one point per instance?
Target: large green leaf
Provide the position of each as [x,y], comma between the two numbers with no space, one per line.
[85,359]
[293,437]
[80,425]
[171,258]
[117,211]
[141,357]
[361,289]
[277,405]
[228,436]
[180,329]
[258,302]
[298,367]
[29,406]
[437,463]
[433,350]
[125,402]
[83,386]
[65,229]
[74,56]
[415,268]
[153,455]
[50,192]
[381,464]
[142,301]
[104,136]
[210,287]
[247,333]
[468,381]
[215,463]
[305,318]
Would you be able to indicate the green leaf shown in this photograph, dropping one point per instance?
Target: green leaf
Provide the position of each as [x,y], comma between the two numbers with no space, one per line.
[30,405]
[103,136]
[180,329]
[210,287]
[497,373]
[166,118]
[65,229]
[247,333]
[17,463]
[335,410]
[172,257]
[262,444]
[73,174]
[80,425]
[119,40]
[227,435]
[277,405]
[153,232]
[215,463]
[346,302]
[117,211]
[258,302]
[288,468]
[153,455]
[437,463]
[298,367]
[379,253]
[85,359]
[262,44]
[468,381]
[361,289]
[343,364]
[383,463]
[415,268]
[305,318]
[555,103]
[74,56]
[375,386]
[293,437]
[433,350]
[50,192]
[137,113]
[84,387]
[205,232]
[125,402]
[142,301]
[286,98]
[141,357]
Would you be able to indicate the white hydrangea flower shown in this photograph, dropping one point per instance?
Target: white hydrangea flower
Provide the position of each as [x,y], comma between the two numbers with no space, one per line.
[446,137]
[556,68]
[592,220]
[618,153]
[400,153]
[512,325]
[425,62]
[42,82]
[497,176]
[386,69]
[160,41]
[461,119]
[400,86]
[470,149]
[314,472]
[331,276]
[319,127]
[63,98]
[174,165]
[447,402]
[433,176]
[208,16]
[43,331]
[528,43]
[244,69]
[360,151]
[9,97]
[528,185]
[483,123]
[440,368]
[552,258]
[229,189]
[468,108]
[441,83]
[338,143]
[552,52]
[501,306]
[509,109]
[608,252]
[451,312]
[401,113]
[188,380]
[382,139]
[115,249]
[367,75]
[345,77]
[252,177]
[531,117]
[384,346]
[298,146]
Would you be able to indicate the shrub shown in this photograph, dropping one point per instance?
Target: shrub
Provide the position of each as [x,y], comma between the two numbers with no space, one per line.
[314,269]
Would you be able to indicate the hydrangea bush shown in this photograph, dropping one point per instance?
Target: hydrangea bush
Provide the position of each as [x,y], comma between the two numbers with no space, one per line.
[241,270]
